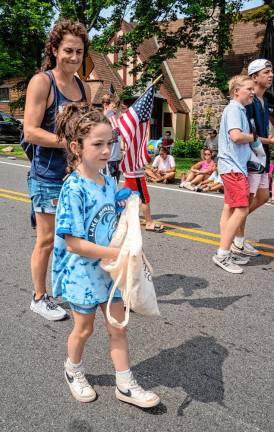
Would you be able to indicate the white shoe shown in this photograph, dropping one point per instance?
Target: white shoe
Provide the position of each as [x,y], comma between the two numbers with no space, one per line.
[239,259]
[129,391]
[189,186]
[47,308]
[182,184]
[246,249]
[79,385]
[227,264]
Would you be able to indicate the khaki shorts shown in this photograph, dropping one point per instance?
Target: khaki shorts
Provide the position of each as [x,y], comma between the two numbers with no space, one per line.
[257,181]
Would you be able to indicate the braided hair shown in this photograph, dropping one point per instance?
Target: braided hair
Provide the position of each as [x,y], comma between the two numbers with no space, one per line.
[74,124]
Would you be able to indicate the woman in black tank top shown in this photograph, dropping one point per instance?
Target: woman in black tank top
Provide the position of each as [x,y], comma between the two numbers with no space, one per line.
[64,53]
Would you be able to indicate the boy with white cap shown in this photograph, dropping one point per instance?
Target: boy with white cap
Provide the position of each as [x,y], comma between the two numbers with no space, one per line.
[233,154]
[261,72]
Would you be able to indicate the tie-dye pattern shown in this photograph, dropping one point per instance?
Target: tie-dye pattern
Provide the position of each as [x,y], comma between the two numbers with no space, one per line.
[85,210]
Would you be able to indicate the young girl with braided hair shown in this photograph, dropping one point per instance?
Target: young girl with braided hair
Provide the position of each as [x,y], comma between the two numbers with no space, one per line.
[85,221]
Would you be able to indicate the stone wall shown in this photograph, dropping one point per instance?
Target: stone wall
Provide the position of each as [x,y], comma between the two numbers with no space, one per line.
[208,102]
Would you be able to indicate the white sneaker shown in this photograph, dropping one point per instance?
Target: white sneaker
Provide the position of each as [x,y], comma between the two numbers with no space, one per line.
[129,391]
[247,249]
[239,260]
[79,385]
[47,308]
[189,186]
[227,264]
[182,184]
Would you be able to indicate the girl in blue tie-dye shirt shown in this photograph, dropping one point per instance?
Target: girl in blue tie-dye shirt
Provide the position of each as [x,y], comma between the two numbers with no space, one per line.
[85,222]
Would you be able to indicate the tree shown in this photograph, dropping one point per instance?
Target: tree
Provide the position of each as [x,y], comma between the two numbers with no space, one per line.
[23,30]
[24,24]
[154,18]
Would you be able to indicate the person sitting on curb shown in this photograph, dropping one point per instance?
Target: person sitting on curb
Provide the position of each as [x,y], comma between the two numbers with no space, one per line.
[167,141]
[199,172]
[163,168]
[211,143]
[214,183]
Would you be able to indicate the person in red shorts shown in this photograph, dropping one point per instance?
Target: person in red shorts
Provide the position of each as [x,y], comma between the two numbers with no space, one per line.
[233,154]
[137,182]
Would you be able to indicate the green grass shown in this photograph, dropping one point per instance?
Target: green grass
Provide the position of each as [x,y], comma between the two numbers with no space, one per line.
[183,165]
[17,151]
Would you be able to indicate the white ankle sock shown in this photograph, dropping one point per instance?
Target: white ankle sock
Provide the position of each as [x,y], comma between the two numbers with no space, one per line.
[222,253]
[124,374]
[73,366]
[239,241]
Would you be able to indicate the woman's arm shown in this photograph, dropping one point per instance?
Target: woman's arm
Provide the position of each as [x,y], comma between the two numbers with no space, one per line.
[210,169]
[36,103]
[196,167]
[90,250]
[170,170]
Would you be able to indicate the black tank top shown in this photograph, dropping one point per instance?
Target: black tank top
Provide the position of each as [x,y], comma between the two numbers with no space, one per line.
[50,163]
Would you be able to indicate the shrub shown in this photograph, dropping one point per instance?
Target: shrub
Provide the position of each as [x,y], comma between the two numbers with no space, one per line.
[189,148]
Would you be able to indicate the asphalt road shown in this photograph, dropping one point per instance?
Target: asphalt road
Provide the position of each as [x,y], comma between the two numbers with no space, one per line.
[209,356]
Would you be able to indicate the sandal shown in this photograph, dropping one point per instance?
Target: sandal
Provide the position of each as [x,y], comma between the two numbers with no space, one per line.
[157,228]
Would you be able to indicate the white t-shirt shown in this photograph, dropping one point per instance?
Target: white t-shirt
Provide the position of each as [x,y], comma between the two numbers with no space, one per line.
[164,164]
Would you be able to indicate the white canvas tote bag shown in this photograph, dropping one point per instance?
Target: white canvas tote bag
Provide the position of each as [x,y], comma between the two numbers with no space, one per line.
[131,272]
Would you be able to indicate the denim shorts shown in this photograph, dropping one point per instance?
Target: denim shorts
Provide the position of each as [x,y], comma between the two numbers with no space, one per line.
[90,309]
[44,195]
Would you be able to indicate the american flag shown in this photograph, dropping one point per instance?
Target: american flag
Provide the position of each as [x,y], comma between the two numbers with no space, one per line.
[113,120]
[134,126]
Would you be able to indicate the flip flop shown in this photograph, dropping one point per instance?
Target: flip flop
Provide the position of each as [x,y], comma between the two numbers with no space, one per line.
[157,228]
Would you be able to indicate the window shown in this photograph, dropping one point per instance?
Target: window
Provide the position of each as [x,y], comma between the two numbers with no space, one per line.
[4,94]
[167,119]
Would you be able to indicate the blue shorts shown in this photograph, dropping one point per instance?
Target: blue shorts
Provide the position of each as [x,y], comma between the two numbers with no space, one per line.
[90,309]
[44,195]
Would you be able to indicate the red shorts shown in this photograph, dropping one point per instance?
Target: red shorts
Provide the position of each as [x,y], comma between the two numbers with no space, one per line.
[138,184]
[236,189]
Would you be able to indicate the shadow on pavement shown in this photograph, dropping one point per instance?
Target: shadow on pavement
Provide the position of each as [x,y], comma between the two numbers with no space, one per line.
[194,366]
[182,224]
[218,303]
[260,260]
[269,241]
[168,283]
[77,425]
[164,215]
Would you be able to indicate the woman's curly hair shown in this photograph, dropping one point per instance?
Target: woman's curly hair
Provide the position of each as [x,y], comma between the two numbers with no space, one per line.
[74,124]
[56,36]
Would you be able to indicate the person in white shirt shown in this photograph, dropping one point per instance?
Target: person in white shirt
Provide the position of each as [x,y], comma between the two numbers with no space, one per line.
[163,168]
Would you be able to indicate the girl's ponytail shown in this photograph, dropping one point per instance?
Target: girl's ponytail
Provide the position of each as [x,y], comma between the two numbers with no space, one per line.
[74,124]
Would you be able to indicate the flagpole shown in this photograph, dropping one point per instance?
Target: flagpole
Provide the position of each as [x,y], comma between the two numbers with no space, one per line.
[157,79]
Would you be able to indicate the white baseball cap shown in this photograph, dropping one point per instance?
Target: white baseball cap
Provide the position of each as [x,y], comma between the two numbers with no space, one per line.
[258,65]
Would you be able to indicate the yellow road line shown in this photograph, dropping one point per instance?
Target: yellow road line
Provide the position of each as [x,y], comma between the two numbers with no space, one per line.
[211,234]
[208,241]
[18,196]
[193,230]
[190,237]
[14,198]
[13,192]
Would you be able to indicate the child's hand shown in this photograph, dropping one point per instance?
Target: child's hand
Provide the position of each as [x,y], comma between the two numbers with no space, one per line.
[121,203]
[114,253]
[121,196]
